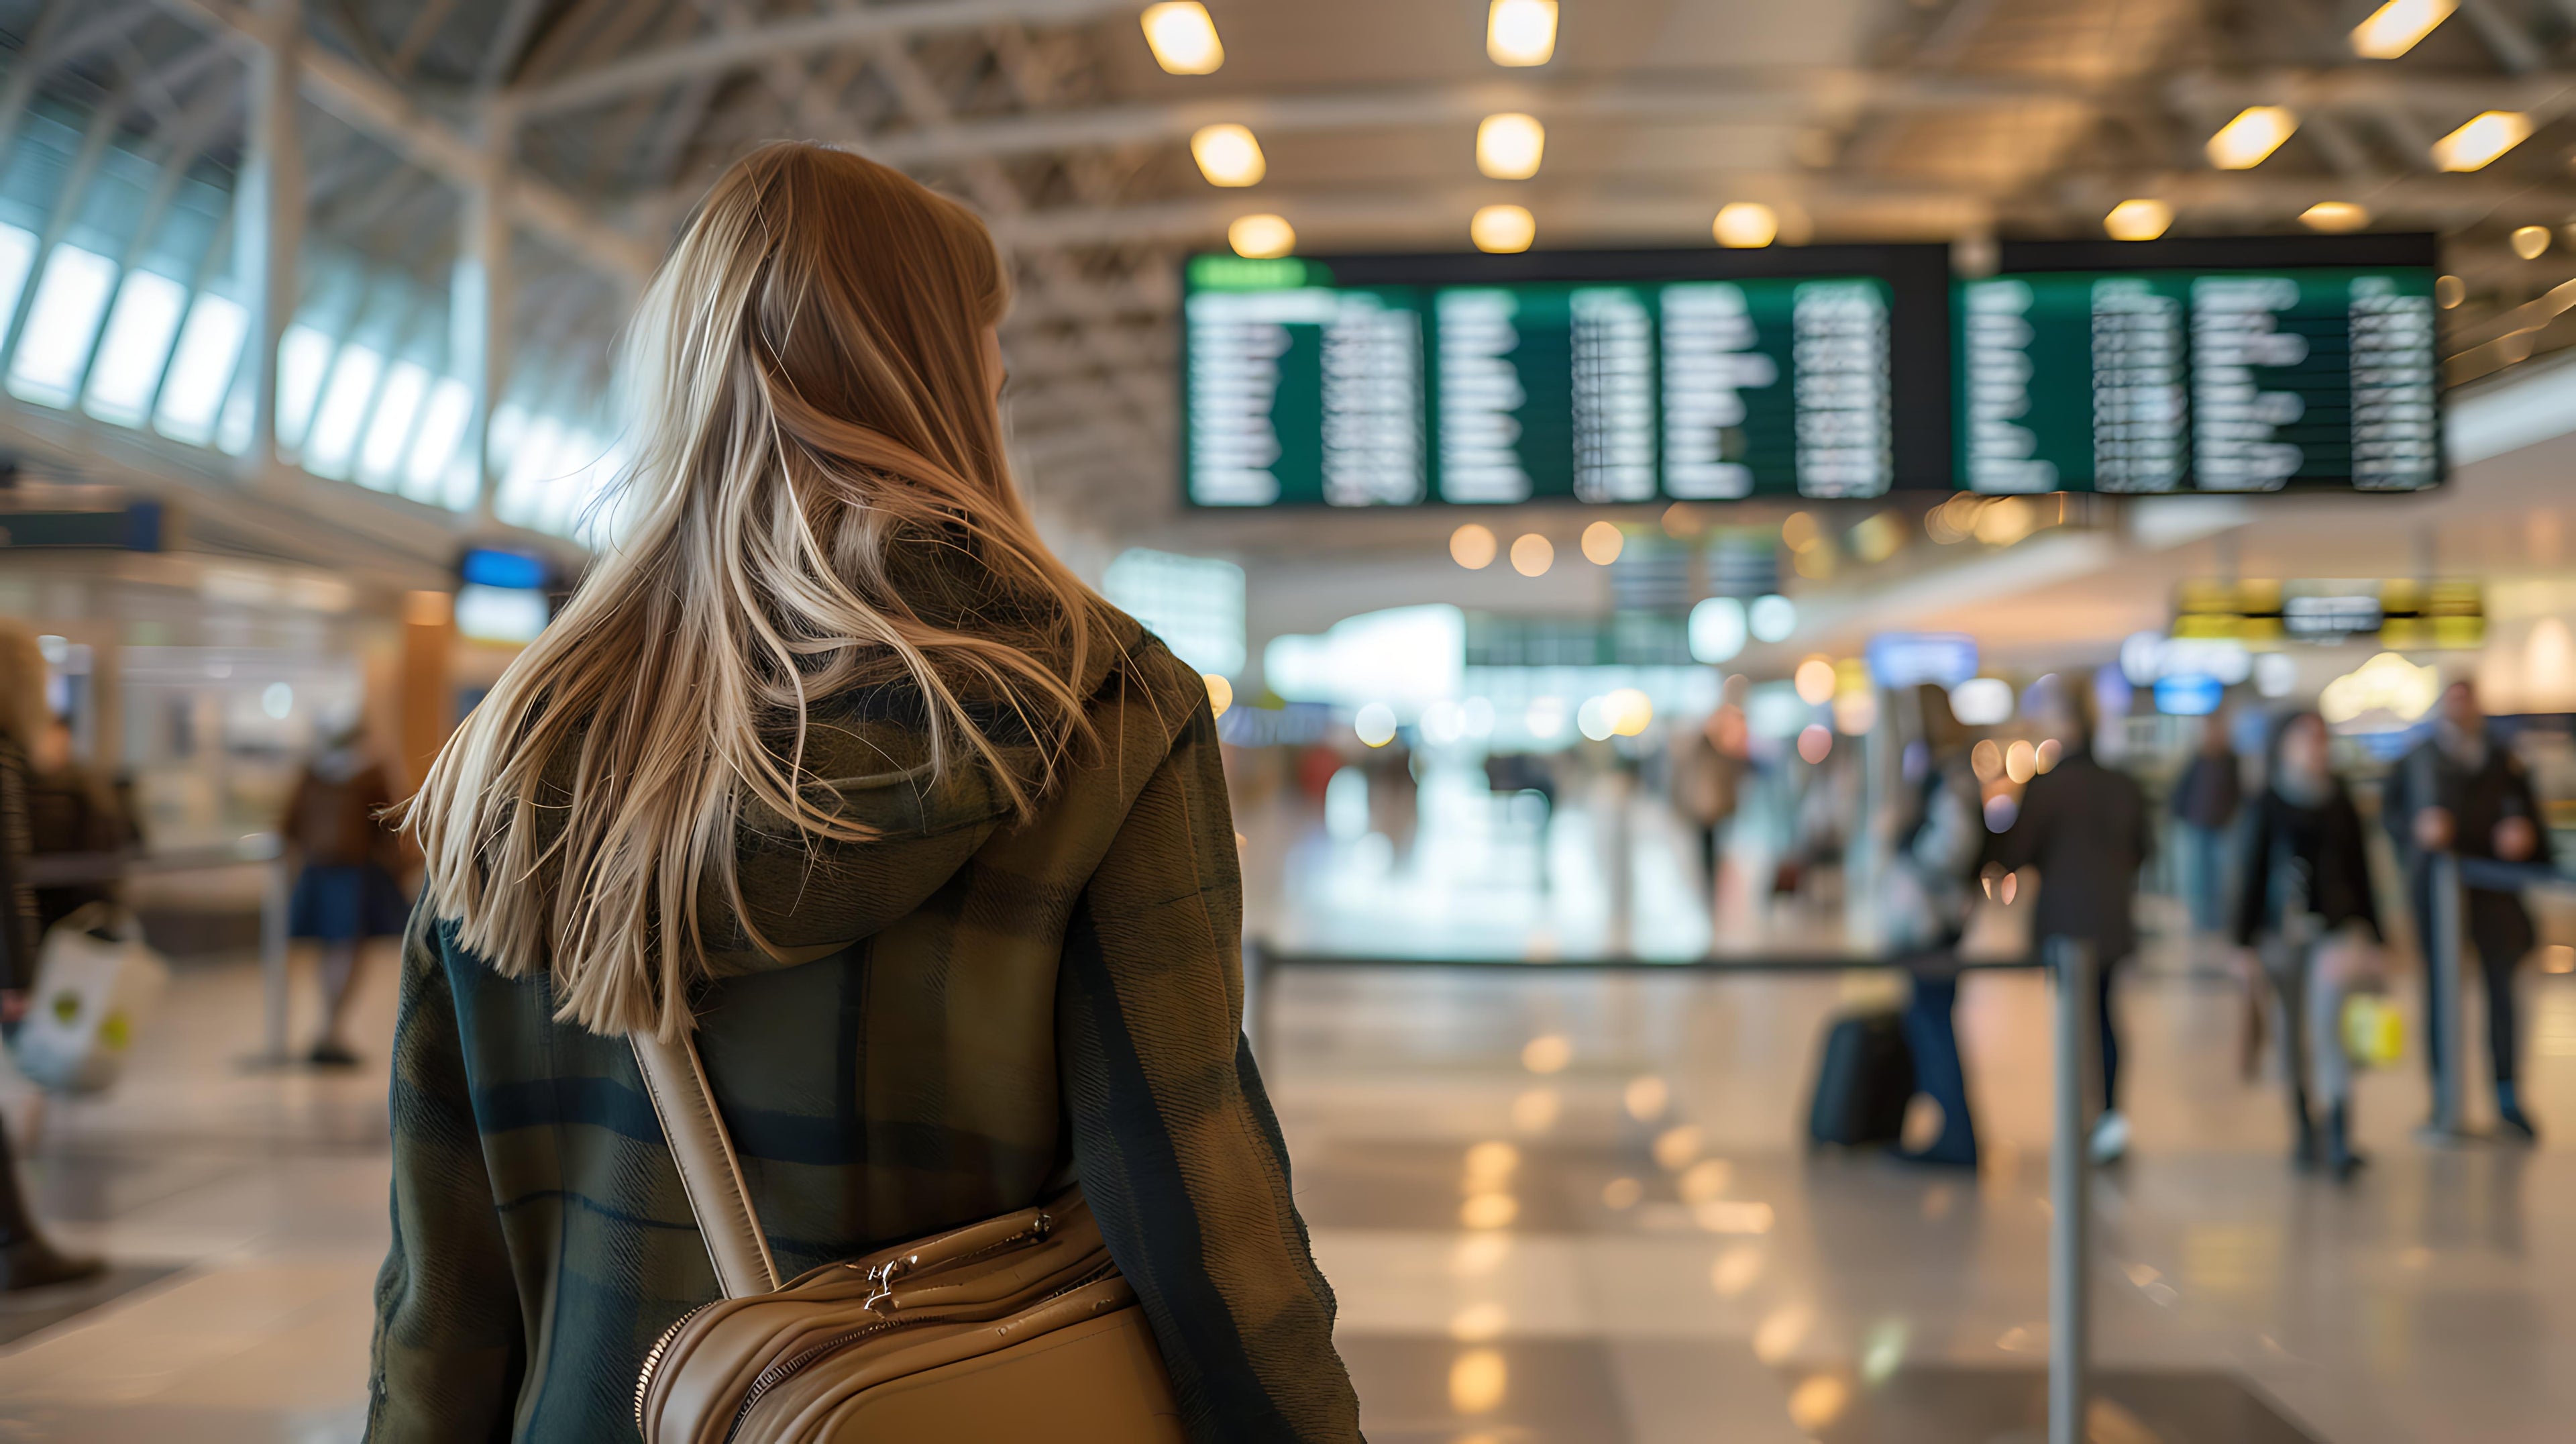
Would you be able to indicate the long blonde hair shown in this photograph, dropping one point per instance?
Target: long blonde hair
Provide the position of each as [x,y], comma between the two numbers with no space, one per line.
[816,435]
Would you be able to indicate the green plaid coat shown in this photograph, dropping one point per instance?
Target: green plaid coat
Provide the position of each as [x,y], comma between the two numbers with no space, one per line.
[981,1010]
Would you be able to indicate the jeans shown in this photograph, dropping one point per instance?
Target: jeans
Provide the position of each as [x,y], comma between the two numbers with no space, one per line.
[1932,1036]
[2206,854]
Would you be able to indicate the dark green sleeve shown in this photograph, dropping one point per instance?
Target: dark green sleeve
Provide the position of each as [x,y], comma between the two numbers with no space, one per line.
[1178,1151]
[449,1344]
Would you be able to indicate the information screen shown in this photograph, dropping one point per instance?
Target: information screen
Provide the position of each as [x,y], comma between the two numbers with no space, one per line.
[2201,365]
[1601,377]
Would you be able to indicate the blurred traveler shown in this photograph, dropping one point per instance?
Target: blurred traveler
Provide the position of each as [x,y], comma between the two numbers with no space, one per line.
[72,811]
[935,863]
[27,1261]
[2086,829]
[2458,791]
[2205,802]
[345,892]
[1707,763]
[2307,911]
[1931,887]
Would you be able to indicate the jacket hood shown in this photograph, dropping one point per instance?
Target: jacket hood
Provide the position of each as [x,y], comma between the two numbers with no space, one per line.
[867,761]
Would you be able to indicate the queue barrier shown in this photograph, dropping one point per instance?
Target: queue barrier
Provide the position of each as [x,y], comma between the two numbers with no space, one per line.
[2070,1287]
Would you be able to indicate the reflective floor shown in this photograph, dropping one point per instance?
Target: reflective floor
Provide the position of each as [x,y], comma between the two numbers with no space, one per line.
[1556,1208]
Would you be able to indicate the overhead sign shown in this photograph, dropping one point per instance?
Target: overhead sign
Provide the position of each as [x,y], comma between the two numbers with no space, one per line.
[2395,613]
[2237,365]
[1910,659]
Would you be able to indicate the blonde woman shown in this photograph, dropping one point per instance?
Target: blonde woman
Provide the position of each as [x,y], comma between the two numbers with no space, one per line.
[830,759]
[27,1261]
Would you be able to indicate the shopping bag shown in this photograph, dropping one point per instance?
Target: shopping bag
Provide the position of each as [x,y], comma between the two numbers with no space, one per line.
[96,983]
[2374,1032]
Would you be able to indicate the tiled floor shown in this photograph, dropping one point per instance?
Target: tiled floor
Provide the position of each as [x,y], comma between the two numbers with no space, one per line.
[1629,1248]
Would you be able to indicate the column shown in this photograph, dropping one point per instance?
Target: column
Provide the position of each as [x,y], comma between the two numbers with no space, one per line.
[268,210]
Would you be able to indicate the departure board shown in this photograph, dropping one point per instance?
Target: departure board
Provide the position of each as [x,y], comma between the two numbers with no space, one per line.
[2239,365]
[1590,377]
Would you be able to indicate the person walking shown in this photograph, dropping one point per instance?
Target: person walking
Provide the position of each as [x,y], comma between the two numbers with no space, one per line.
[2307,913]
[2086,829]
[345,891]
[2205,801]
[2459,792]
[1930,889]
[832,764]
[27,1259]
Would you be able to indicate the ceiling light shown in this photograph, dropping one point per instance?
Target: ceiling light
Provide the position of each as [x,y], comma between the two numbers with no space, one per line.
[2489,135]
[1183,37]
[1503,229]
[1521,32]
[1745,225]
[2138,220]
[1532,555]
[2256,132]
[1261,236]
[1508,146]
[2530,241]
[2449,292]
[2393,28]
[1602,543]
[2335,216]
[1472,546]
[1228,155]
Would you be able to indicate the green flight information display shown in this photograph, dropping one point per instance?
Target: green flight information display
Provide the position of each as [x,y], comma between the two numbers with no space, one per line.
[1403,381]
[2234,378]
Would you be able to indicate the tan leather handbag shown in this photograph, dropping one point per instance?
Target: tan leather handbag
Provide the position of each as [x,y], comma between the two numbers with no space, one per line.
[1015,1328]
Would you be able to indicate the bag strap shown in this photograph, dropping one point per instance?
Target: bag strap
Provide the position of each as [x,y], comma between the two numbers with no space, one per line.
[709,1171]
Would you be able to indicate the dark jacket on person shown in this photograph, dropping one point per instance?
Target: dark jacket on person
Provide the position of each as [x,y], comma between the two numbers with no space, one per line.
[2325,844]
[973,1012]
[18,918]
[2210,791]
[69,813]
[2477,797]
[335,816]
[2086,828]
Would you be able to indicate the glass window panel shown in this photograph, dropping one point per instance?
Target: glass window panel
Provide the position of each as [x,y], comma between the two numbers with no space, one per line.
[579,465]
[343,414]
[397,406]
[442,427]
[533,464]
[137,340]
[201,369]
[17,253]
[62,325]
[303,359]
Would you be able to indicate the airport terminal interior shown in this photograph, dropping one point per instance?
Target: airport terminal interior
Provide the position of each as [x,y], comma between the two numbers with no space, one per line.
[1782,588]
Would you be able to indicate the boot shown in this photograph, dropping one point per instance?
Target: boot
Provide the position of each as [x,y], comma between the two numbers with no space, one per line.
[2341,1160]
[2516,1124]
[26,1260]
[32,1263]
[2303,1131]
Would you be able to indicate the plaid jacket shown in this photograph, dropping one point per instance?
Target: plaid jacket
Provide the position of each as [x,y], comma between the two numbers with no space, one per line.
[988,1010]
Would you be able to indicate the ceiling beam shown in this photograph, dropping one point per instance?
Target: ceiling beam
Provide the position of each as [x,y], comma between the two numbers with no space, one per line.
[728,49]
[377,107]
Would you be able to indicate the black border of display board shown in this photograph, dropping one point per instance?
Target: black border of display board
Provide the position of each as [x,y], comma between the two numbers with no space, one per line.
[1918,279]
[2417,250]
[2221,253]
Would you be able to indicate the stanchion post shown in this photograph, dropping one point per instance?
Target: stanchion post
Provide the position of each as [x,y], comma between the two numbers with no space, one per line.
[2443,1030]
[2070,1195]
[272,959]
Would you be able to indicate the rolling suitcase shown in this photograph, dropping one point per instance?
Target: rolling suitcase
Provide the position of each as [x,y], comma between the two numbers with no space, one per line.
[1863,1082]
